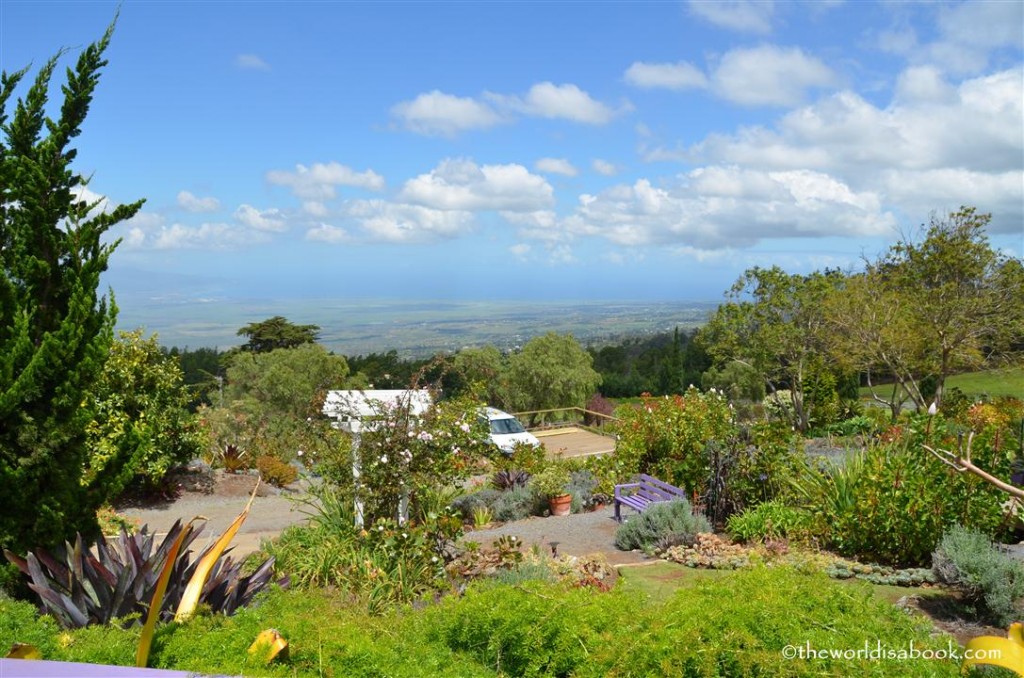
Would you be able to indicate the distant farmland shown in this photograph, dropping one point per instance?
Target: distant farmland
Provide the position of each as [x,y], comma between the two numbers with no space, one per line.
[413,328]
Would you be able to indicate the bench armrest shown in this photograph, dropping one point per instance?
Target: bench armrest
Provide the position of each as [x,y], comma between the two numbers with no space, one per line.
[619,488]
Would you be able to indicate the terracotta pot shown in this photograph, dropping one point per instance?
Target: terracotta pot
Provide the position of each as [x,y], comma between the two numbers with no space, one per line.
[561,505]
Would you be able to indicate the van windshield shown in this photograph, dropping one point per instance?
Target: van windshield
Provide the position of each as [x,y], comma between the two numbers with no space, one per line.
[503,426]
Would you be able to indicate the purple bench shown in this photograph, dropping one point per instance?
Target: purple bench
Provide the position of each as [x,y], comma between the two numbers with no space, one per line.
[641,494]
[33,668]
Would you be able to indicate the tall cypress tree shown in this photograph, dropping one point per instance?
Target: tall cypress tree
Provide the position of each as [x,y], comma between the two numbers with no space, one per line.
[55,329]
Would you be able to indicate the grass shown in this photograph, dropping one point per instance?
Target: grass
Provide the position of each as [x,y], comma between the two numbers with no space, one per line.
[660,580]
[1001,382]
[1005,382]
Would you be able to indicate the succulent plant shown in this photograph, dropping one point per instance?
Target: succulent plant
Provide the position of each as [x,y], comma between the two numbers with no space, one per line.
[506,479]
[81,585]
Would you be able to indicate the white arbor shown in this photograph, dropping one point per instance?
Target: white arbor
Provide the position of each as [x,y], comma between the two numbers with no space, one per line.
[358,411]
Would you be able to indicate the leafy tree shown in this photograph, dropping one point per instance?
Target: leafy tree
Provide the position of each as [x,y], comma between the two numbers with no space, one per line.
[485,373]
[551,371]
[671,373]
[738,380]
[202,372]
[55,331]
[778,331]
[930,308]
[277,332]
[274,400]
[964,298]
[141,424]
[386,370]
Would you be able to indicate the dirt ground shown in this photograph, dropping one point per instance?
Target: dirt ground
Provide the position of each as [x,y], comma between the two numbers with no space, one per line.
[220,497]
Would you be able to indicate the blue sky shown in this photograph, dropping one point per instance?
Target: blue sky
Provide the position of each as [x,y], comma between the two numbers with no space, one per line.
[533,150]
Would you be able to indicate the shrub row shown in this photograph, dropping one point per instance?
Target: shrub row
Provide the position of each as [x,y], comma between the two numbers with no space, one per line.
[730,626]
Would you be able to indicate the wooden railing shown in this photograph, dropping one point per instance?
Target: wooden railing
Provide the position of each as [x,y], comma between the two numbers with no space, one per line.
[538,420]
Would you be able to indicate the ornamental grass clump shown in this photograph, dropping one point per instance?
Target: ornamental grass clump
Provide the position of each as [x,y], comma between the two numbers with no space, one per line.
[666,520]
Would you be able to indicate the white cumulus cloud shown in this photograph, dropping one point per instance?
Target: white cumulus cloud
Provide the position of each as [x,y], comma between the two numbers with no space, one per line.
[567,102]
[461,184]
[722,207]
[437,113]
[746,16]
[271,220]
[905,151]
[320,181]
[966,36]
[329,234]
[677,76]
[604,167]
[556,166]
[399,223]
[769,76]
[191,203]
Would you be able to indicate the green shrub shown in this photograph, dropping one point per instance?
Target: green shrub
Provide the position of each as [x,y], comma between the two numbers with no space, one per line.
[275,471]
[467,504]
[524,457]
[524,572]
[736,625]
[740,625]
[891,503]
[970,561]
[671,519]
[518,503]
[666,437]
[858,425]
[384,564]
[769,520]
[581,486]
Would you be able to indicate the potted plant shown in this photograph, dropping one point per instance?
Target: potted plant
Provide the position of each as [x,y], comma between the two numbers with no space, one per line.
[551,483]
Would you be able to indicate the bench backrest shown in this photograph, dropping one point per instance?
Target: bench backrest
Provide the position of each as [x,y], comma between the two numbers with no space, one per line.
[658,490]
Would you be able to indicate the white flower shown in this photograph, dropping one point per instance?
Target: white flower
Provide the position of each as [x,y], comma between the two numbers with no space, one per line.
[433,559]
[405,536]
[425,436]
[465,427]
[933,409]
[299,453]
[384,459]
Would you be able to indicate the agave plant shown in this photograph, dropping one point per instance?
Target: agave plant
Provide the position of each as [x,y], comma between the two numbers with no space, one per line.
[506,479]
[114,579]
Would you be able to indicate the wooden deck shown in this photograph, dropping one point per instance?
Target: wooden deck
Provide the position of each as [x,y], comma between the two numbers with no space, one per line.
[574,442]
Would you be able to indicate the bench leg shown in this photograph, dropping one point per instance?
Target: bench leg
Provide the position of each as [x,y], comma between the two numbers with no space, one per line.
[618,512]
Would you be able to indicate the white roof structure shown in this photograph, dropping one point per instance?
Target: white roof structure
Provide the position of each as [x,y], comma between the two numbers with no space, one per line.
[347,407]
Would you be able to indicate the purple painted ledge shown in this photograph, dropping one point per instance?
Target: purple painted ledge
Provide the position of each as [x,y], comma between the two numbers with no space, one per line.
[26,668]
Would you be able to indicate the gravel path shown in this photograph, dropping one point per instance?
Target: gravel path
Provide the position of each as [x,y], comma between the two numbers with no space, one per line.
[579,534]
[272,511]
[222,499]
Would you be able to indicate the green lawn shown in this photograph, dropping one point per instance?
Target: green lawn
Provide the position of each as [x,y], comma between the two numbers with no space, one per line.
[1001,382]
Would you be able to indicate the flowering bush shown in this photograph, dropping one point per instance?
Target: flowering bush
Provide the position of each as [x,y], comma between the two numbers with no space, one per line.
[666,437]
[403,456]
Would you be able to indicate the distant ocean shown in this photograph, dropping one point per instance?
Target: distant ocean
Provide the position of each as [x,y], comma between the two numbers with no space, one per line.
[413,328]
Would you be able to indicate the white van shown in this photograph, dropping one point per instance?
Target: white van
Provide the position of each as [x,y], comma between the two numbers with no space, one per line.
[506,431]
